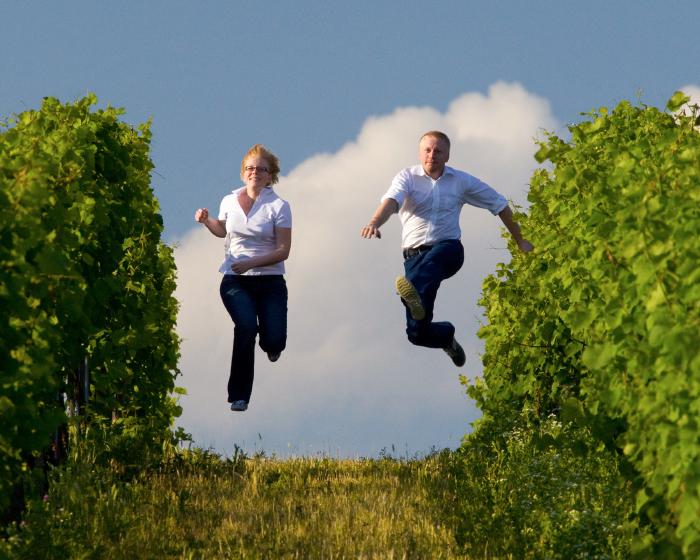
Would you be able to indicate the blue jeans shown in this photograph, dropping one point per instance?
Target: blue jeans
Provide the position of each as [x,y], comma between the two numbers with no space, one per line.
[257,304]
[426,271]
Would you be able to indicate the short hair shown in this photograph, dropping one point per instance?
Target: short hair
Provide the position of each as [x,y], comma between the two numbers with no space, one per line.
[273,163]
[436,134]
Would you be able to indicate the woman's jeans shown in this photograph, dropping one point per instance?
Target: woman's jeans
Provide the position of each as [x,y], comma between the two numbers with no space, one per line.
[426,271]
[257,304]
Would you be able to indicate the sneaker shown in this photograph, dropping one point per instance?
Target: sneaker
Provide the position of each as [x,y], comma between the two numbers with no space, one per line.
[239,406]
[456,352]
[411,297]
[274,356]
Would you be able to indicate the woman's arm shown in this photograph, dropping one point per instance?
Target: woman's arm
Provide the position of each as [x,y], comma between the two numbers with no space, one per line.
[283,238]
[217,227]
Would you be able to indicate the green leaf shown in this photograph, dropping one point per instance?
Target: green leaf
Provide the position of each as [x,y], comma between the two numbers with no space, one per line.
[599,355]
[678,99]
[543,153]
[572,411]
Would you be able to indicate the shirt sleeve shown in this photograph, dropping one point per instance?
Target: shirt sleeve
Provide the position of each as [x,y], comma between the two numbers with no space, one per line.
[400,187]
[283,218]
[479,194]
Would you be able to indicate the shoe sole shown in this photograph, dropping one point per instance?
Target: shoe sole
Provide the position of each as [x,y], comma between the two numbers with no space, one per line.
[408,293]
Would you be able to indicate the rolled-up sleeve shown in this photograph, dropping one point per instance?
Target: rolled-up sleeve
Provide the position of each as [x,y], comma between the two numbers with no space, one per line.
[479,194]
[400,187]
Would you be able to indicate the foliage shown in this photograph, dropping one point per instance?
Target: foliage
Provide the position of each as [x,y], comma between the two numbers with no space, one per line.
[197,505]
[601,325]
[550,491]
[84,274]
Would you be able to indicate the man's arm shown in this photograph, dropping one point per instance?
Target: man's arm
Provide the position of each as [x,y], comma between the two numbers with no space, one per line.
[506,216]
[387,207]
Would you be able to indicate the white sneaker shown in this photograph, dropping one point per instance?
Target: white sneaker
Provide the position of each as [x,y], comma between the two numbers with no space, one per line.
[239,406]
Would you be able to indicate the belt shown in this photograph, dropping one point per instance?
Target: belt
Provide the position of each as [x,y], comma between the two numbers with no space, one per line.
[410,253]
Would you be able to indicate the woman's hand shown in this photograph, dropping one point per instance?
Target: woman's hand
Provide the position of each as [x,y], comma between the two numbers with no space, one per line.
[217,227]
[240,267]
[201,215]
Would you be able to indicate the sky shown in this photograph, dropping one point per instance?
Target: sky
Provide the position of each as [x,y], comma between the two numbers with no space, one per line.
[341,92]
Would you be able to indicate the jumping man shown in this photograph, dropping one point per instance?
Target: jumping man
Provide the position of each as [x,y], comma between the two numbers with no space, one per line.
[429,198]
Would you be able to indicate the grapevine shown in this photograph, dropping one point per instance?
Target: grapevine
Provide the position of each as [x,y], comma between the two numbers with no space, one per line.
[84,275]
[601,325]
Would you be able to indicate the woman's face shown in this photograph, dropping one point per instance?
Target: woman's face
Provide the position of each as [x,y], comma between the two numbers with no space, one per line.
[255,172]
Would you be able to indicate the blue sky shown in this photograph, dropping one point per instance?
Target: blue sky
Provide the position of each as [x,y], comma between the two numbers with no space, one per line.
[303,76]
[340,90]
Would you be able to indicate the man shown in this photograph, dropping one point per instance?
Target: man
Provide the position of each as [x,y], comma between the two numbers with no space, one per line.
[429,198]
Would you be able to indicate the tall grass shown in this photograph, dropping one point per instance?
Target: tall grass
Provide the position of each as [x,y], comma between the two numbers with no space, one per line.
[526,492]
[201,506]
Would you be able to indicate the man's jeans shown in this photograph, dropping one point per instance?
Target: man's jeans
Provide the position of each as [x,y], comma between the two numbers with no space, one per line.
[426,271]
[257,304]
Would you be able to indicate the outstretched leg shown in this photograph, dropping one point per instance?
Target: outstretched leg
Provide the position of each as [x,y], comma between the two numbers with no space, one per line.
[238,299]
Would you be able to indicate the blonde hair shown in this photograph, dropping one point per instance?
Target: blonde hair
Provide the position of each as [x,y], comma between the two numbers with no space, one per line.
[273,163]
[437,134]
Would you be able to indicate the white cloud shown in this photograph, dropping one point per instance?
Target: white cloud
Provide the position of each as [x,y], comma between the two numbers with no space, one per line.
[350,383]
[693,91]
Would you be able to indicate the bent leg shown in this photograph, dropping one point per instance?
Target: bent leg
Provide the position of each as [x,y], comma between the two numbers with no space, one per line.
[426,272]
[431,335]
[272,314]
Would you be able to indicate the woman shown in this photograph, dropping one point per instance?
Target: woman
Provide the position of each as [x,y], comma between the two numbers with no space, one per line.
[257,225]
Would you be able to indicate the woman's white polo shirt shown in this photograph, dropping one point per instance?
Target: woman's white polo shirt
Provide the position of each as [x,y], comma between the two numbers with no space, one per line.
[253,235]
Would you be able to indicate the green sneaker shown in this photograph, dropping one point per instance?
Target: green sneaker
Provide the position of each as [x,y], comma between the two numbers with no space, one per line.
[411,297]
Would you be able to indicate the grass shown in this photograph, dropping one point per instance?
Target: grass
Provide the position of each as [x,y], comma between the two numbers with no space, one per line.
[201,506]
[527,492]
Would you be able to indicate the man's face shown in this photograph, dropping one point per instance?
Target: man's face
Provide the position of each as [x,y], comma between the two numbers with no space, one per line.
[434,154]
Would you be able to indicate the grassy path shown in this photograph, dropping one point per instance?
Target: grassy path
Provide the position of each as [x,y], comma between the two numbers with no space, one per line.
[546,492]
[205,507]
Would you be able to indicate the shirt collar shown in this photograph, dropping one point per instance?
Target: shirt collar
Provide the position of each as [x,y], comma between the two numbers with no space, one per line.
[447,171]
[263,193]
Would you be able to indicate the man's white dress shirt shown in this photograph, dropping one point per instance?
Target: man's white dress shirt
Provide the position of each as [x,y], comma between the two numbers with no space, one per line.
[429,209]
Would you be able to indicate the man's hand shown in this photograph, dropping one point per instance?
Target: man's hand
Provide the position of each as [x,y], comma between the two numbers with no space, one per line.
[387,207]
[512,226]
[370,231]
[525,246]
[201,215]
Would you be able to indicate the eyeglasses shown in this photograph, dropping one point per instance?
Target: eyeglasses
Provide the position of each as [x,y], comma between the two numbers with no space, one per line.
[251,168]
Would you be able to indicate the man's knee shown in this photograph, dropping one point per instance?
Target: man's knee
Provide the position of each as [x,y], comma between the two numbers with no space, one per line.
[414,335]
